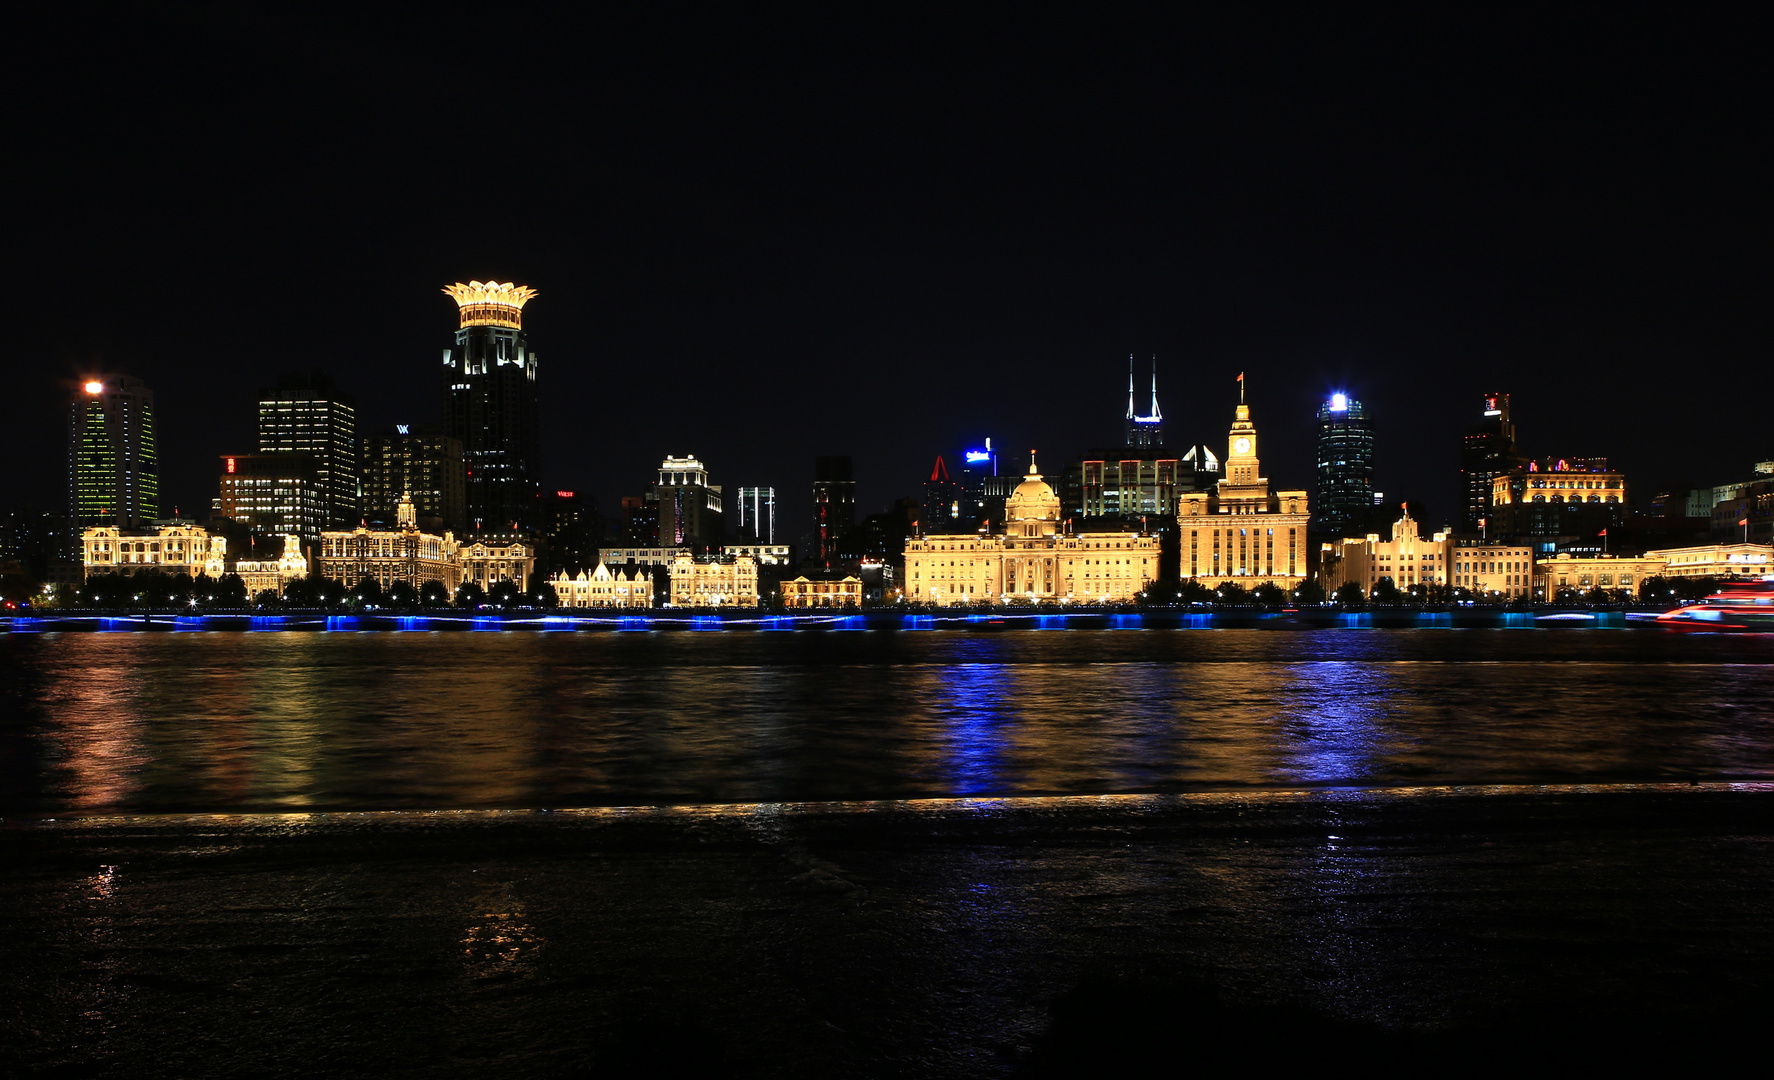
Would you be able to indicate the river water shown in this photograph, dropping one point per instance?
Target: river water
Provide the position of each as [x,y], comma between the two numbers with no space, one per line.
[102,723]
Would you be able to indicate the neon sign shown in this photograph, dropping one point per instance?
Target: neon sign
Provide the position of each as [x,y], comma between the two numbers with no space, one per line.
[978,455]
[1339,403]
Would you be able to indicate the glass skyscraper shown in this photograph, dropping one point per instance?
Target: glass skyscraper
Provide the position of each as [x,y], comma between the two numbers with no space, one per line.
[490,404]
[113,471]
[1345,465]
[304,414]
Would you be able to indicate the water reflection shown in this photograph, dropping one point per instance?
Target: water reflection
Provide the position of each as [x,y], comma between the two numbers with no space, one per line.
[317,721]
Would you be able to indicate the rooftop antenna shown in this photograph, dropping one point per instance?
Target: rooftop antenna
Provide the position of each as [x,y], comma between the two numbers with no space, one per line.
[1156,415]
[1130,413]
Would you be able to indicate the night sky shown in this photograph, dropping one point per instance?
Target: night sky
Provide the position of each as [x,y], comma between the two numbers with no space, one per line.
[760,240]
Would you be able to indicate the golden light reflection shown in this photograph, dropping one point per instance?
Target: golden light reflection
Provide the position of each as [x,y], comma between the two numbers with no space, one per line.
[502,944]
[491,303]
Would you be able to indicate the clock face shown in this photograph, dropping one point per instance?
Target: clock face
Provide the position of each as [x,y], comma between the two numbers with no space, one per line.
[1242,446]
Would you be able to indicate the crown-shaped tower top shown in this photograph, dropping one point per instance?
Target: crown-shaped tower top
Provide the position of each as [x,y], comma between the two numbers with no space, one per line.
[491,303]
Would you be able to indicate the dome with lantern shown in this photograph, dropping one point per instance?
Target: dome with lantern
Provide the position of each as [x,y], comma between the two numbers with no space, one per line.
[1033,508]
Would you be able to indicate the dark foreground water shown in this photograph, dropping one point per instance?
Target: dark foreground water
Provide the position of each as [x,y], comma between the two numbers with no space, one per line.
[1452,852]
[104,722]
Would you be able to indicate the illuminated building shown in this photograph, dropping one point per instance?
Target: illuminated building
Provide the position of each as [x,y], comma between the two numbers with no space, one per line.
[113,467]
[273,494]
[488,560]
[386,556]
[1487,452]
[262,575]
[1141,479]
[1241,531]
[1032,560]
[646,555]
[834,504]
[568,533]
[714,581]
[1345,464]
[1144,431]
[1586,573]
[1575,497]
[304,415]
[690,509]
[1492,568]
[983,491]
[640,521]
[1716,561]
[171,547]
[420,463]
[605,588]
[1745,511]
[805,592]
[1407,558]
[942,501]
[757,514]
[765,554]
[491,405]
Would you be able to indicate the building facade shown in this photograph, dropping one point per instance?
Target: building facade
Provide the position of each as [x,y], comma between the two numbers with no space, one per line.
[489,559]
[1407,559]
[1241,531]
[272,575]
[420,463]
[690,508]
[113,464]
[1345,465]
[1716,561]
[757,514]
[1588,573]
[834,504]
[491,405]
[805,592]
[1492,570]
[605,588]
[273,494]
[305,415]
[714,581]
[171,547]
[1557,497]
[1033,560]
[1487,452]
[386,556]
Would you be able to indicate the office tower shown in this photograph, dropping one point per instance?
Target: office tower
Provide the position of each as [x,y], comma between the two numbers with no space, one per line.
[690,511]
[1144,430]
[304,414]
[420,463]
[640,521]
[942,502]
[757,513]
[490,404]
[1345,465]
[567,526]
[113,474]
[1487,452]
[834,503]
[976,472]
[274,494]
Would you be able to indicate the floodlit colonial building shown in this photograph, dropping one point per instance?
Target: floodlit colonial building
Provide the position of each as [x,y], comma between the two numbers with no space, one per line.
[1407,558]
[259,575]
[488,560]
[1241,531]
[1595,572]
[714,581]
[805,592]
[390,555]
[1716,560]
[603,587]
[1491,569]
[171,547]
[1033,560]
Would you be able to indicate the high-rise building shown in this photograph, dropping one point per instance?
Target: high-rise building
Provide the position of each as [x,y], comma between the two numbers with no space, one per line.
[490,404]
[1144,430]
[113,470]
[1562,502]
[942,510]
[305,414]
[274,494]
[568,527]
[1241,531]
[690,508]
[421,463]
[1487,452]
[1345,465]
[757,513]
[834,503]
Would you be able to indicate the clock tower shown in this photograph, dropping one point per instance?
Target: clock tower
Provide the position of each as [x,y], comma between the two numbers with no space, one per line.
[1241,445]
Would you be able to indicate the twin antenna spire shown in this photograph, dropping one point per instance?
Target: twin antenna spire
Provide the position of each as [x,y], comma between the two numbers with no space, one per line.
[1157,414]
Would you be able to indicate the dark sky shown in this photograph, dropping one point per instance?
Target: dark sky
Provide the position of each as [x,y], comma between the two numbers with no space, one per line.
[763,239]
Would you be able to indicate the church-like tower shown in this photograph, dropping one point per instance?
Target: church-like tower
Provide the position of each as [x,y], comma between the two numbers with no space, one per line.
[1241,531]
[1144,430]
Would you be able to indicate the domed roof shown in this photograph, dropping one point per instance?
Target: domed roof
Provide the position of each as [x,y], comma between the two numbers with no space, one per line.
[1033,488]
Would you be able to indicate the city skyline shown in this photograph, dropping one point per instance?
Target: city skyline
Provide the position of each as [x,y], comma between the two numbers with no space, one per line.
[1348,205]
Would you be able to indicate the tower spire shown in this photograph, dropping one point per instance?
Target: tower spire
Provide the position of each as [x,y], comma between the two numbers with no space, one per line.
[1130,412]
[1157,414]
